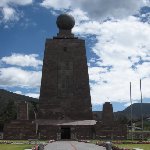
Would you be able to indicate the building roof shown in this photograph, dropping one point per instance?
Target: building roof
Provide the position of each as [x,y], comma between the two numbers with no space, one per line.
[65,122]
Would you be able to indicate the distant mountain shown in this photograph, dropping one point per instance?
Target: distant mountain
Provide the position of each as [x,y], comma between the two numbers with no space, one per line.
[126,113]
[136,111]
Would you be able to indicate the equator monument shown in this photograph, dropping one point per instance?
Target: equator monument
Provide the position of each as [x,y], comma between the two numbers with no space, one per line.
[65,99]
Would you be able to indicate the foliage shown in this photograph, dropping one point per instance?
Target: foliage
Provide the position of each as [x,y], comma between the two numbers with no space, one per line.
[10,112]
[8,106]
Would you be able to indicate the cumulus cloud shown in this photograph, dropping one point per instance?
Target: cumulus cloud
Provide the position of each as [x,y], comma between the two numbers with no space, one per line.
[111,8]
[79,15]
[8,10]
[12,76]
[123,48]
[18,92]
[34,95]
[16,2]
[22,60]
[56,4]
[99,9]
[9,14]
[15,76]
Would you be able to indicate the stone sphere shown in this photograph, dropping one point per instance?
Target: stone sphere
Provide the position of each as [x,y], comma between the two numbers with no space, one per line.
[65,22]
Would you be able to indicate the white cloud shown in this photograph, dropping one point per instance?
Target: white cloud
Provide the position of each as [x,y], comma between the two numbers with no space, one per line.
[89,27]
[144,70]
[79,15]
[10,77]
[56,4]
[99,9]
[34,95]
[22,60]
[119,44]
[18,92]
[9,12]
[110,8]
[17,2]
[95,72]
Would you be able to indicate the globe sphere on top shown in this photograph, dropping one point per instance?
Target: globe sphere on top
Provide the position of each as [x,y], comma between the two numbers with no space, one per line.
[65,22]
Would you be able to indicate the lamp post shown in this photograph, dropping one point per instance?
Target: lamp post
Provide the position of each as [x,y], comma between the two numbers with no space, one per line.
[141,109]
[131,114]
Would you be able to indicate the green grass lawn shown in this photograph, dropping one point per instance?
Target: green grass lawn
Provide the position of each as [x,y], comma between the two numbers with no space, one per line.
[130,146]
[14,146]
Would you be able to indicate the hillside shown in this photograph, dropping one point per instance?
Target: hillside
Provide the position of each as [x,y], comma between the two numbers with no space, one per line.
[136,109]
[7,97]
[8,109]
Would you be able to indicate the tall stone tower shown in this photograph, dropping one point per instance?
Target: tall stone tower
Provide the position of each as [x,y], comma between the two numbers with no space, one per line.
[65,92]
[107,113]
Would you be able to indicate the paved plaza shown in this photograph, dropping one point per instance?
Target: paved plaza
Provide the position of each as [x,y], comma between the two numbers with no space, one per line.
[72,145]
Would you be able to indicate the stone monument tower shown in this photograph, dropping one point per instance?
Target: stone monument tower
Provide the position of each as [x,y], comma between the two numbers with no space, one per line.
[65,92]
[107,113]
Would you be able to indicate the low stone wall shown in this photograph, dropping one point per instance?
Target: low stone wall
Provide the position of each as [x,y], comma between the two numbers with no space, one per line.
[113,131]
[19,130]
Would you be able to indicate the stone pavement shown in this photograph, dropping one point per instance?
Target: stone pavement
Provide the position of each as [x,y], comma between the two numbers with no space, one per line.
[72,145]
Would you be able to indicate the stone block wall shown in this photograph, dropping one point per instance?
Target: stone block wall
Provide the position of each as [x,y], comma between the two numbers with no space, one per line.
[20,130]
[113,132]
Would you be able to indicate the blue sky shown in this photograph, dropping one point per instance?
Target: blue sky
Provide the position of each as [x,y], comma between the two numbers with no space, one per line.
[117,43]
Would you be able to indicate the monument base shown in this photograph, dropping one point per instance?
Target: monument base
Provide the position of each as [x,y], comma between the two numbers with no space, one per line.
[65,129]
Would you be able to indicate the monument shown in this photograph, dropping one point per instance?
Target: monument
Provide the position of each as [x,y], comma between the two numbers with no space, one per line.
[107,113]
[65,92]
[65,110]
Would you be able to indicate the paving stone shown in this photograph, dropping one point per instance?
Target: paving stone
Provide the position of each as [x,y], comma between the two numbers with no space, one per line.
[72,145]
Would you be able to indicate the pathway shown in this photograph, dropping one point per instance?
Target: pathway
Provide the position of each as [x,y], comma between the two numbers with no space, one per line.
[72,145]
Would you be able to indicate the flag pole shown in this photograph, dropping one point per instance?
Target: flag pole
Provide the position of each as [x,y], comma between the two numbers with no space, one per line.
[131,114]
[141,108]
